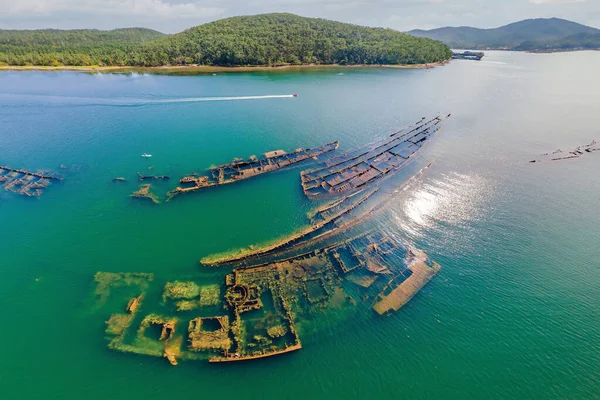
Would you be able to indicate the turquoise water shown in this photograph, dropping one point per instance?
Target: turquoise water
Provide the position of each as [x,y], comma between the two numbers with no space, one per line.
[513,313]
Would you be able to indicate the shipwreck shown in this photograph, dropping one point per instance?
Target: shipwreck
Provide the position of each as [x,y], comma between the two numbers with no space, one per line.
[240,169]
[267,302]
[355,169]
[26,183]
[144,193]
[560,154]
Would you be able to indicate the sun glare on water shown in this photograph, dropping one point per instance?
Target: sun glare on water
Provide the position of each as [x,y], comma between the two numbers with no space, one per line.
[453,199]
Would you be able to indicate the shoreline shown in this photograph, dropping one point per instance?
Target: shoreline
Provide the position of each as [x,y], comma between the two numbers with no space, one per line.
[212,69]
[535,51]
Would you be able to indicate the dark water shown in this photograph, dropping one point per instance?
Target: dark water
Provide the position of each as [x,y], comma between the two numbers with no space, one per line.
[514,313]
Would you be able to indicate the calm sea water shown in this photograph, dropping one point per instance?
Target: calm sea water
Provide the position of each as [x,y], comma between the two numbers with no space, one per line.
[515,312]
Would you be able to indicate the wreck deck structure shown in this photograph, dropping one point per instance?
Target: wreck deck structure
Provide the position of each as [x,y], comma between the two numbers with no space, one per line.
[23,182]
[360,167]
[406,284]
[239,169]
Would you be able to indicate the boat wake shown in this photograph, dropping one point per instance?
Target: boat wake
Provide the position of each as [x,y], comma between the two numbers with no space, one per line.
[128,102]
[198,99]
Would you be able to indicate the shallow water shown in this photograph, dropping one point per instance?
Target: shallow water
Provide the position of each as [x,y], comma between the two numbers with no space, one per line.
[514,313]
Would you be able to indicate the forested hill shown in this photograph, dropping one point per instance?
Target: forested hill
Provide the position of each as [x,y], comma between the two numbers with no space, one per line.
[268,39]
[57,37]
[532,34]
[71,47]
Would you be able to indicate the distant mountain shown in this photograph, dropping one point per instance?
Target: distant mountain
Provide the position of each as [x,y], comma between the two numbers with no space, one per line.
[531,35]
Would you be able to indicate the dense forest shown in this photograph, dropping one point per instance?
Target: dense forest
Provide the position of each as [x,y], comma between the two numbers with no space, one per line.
[73,47]
[269,39]
[541,34]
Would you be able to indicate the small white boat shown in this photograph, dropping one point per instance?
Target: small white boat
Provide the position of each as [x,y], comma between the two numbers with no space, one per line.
[146,155]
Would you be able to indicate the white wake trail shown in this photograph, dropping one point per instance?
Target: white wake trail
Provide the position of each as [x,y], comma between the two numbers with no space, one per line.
[197,99]
[57,100]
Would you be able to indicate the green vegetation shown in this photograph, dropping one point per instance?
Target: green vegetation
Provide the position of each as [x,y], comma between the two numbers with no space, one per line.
[189,296]
[277,331]
[210,295]
[52,47]
[180,290]
[265,40]
[530,35]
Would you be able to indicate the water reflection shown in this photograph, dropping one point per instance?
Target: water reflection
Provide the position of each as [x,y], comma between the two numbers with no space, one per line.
[453,199]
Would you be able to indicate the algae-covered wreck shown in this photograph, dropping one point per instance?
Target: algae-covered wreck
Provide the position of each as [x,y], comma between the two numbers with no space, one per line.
[257,311]
[26,183]
[144,193]
[239,169]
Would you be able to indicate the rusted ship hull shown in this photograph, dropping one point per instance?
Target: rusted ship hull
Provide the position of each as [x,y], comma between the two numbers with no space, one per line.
[238,170]
[363,166]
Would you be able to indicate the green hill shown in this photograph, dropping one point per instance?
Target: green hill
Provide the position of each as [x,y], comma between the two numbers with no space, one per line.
[275,39]
[268,39]
[531,34]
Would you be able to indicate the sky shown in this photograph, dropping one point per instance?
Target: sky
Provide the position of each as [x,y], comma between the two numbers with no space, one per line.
[171,16]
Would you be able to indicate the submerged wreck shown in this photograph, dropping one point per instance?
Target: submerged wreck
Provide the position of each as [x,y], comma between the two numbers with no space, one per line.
[560,154]
[239,169]
[255,311]
[274,294]
[142,178]
[402,287]
[328,220]
[26,183]
[354,170]
[324,221]
[144,193]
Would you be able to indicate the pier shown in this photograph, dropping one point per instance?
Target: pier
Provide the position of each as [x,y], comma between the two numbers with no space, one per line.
[468,55]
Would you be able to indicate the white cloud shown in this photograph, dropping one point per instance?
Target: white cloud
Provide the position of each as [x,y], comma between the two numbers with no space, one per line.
[141,8]
[176,15]
[556,1]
